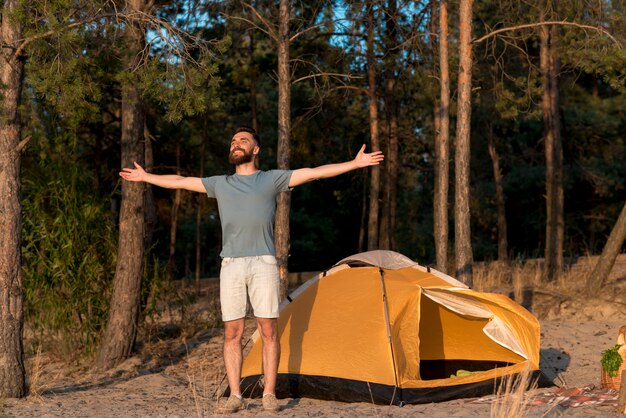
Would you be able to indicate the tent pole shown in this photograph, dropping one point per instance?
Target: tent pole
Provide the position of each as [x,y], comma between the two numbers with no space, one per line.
[389,336]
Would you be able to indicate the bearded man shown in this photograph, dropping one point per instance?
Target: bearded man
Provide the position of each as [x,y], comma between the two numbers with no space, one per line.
[247,204]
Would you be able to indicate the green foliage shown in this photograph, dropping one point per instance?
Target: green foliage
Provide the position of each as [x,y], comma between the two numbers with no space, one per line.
[180,72]
[69,254]
[611,360]
[182,90]
[61,64]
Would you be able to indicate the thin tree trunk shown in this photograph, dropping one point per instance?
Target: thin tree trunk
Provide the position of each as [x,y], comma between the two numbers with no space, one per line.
[548,139]
[442,139]
[372,224]
[553,155]
[611,250]
[391,164]
[12,374]
[383,222]
[253,102]
[558,151]
[121,330]
[283,149]
[150,208]
[364,202]
[500,201]
[201,198]
[462,234]
[150,214]
[171,261]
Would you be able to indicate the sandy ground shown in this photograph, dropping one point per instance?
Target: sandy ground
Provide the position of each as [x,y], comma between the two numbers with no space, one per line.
[179,377]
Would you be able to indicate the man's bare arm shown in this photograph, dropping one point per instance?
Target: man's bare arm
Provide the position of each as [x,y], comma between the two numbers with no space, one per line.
[168,181]
[362,159]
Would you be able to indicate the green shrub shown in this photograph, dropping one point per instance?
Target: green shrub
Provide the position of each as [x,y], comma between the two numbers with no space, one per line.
[69,253]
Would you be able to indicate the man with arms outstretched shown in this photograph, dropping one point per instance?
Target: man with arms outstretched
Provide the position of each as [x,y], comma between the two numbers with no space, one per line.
[247,204]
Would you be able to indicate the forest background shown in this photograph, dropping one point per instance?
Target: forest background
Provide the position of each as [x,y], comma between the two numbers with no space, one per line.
[104,83]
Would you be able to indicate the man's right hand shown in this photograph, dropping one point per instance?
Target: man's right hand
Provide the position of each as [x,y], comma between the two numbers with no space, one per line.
[134,174]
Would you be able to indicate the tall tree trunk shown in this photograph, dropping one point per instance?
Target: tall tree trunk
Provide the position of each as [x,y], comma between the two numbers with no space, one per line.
[150,208]
[150,214]
[442,139]
[553,154]
[12,374]
[387,232]
[555,68]
[283,149]
[171,261]
[201,198]
[121,328]
[253,101]
[462,234]
[364,202]
[372,224]
[500,201]
[611,250]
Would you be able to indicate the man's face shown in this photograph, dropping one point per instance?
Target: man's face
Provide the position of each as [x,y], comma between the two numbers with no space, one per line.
[242,148]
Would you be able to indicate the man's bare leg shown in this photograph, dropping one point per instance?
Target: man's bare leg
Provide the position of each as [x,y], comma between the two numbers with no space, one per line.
[233,357]
[268,328]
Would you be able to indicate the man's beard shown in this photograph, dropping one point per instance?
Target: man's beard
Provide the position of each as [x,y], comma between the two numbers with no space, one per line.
[243,158]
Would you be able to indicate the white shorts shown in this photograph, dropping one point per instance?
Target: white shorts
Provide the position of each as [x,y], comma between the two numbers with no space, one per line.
[253,277]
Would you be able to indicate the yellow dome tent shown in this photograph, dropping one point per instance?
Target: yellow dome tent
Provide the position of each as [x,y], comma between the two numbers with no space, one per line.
[380,327]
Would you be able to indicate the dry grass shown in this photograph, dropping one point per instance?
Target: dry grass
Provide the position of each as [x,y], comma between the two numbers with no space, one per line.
[202,382]
[206,384]
[35,375]
[517,274]
[511,397]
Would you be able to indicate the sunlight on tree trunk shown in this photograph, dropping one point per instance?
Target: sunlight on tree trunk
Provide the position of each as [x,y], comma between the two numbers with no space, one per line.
[442,139]
[372,224]
[387,237]
[462,235]
[283,149]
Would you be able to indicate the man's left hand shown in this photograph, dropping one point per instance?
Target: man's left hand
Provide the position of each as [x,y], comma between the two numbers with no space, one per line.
[364,159]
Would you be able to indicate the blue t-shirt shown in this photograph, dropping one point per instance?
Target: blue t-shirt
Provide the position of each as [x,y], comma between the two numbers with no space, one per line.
[247,205]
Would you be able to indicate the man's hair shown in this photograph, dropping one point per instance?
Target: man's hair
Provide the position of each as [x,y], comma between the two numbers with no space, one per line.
[251,131]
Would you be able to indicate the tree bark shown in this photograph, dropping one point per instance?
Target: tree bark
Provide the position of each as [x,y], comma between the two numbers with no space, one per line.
[253,89]
[553,154]
[442,139]
[150,208]
[283,149]
[391,165]
[372,224]
[12,374]
[201,197]
[462,234]
[364,203]
[171,261]
[611,250]
[121,328]
[500,200]
[555,68]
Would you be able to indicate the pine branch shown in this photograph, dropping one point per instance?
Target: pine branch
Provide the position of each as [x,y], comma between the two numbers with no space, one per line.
[561,23]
